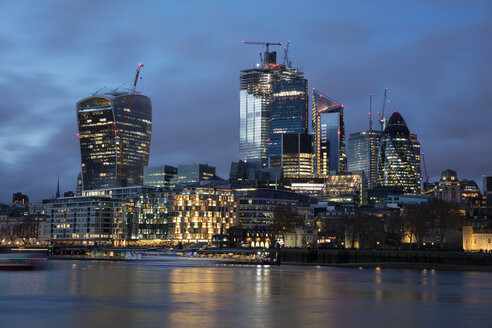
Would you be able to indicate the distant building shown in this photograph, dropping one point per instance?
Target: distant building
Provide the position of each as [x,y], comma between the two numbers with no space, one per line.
[68,194]
[79,186]
[251,174]
[487,189]
[363,150]
[345,188]
[470,193]
[396,160]
[328,129]
[257,87]
[114,133]
[449,187]
[416,154]
[159,176]
[192,174]
[297,155]
[288,115]
[20,198]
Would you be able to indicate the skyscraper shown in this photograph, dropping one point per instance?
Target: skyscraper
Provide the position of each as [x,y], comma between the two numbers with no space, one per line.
[114,130]
[297,155]
[396,160]
[288,115]
[329,135]
[363,150]
[256,88]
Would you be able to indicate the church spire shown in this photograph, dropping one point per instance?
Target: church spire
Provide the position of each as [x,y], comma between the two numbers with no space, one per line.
[58,188]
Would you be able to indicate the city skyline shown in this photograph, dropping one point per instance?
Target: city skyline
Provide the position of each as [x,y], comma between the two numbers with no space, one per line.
[433,58]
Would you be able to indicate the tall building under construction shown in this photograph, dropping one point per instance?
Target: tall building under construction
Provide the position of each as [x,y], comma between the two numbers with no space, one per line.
[273,101]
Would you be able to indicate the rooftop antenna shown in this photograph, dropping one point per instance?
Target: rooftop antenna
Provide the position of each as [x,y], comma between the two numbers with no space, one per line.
[370,112]
[118,87]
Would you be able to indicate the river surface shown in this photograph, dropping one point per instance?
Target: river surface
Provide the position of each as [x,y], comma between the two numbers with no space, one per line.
[190,293]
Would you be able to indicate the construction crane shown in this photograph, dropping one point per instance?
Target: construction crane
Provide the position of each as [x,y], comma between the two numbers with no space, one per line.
[120,133]
[382,119]
[370,112]
[425,170]
[287,62]
[269,57]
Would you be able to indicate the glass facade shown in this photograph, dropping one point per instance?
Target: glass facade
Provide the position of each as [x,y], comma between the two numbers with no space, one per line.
[297,155]
[109,129]
[191,174]
[288,114]
[256,86]
[396,160]
[328,129]
[159,176]
[363,149]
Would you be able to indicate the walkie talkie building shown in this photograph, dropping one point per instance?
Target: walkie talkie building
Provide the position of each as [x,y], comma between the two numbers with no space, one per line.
[114,130]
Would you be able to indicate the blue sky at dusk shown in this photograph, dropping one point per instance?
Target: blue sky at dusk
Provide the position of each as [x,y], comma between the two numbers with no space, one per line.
[434,56]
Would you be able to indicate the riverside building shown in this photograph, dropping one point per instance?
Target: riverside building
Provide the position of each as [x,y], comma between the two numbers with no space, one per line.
[114,131]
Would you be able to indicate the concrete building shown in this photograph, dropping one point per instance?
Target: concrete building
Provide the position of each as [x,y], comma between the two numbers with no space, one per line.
[449,187]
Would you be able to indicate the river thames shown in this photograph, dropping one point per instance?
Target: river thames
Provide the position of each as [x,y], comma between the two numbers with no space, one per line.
[199,294]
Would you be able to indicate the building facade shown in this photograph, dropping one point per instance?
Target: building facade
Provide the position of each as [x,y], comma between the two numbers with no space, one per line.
[191,174]
[297,155]
[288,115]
[328,129]
[449,187]
[82,221]
[198,213]
[363,150]
[159,176]
[396,159]
[256,89]
[114,131]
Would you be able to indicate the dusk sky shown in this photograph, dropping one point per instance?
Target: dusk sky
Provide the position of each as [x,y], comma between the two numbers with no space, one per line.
[434,56]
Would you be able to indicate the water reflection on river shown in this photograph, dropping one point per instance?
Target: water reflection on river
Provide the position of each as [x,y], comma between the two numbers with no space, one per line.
[194,294]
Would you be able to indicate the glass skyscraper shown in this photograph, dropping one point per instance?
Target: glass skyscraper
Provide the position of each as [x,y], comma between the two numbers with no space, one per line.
[396,161]
[159,176]
[256,89]
[329,136]
[297,155]
[362,154]
[104,122]
[288,115]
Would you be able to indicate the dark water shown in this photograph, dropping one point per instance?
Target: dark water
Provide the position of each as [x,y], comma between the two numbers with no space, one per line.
[195,294]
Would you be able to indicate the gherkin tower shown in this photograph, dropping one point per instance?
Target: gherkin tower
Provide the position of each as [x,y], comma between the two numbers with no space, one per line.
[397,165]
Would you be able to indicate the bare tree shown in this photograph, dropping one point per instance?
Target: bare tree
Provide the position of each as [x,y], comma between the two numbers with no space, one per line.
[286,219]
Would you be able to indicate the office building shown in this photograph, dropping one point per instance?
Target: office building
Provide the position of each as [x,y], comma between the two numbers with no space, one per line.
[197,213]
[257,205]
[363,150]
[192,174]
[328,129]
[297,155]
[470,193]
[114,133]
[81,221]
[416,154]
[159,176]
[396,160]
[345,188]
[20,198]
[288,115]
[257,85]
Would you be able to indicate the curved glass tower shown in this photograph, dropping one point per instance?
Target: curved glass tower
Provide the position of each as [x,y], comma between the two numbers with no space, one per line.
[105,122]
[396,161]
